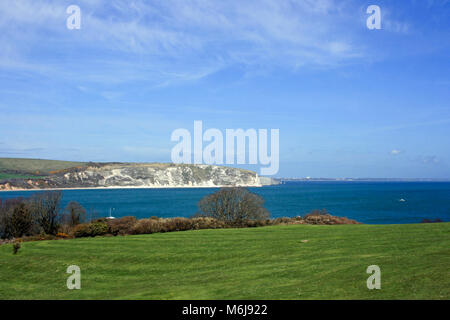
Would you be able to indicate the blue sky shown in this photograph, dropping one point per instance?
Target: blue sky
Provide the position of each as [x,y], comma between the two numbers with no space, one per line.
[348,101]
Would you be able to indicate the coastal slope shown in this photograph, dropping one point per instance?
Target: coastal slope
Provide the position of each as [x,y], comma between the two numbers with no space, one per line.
[139,175]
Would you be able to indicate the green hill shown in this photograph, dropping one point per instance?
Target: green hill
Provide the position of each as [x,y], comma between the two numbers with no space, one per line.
[22,168]
[255,263]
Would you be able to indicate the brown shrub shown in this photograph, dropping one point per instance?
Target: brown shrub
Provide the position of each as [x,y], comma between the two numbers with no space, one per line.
[207,223]
[146,226]
[327,219]
[39,237]
[121,226]
[281,220]
[177,224]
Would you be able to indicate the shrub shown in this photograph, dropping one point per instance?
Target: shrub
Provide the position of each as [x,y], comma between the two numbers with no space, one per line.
[146,226]
[324,218]
[207,223]
[62,235]
[16,247]
[233,205]
[39,237]
[81,230]
[177,224]
[90,229]
[431,221]
[121,226]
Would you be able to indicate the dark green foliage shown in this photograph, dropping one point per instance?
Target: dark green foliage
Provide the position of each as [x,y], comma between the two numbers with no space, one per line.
[21,221]
[90,229]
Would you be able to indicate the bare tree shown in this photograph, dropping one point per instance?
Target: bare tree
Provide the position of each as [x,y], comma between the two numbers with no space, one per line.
[46,209]
[233,205]
[74,214]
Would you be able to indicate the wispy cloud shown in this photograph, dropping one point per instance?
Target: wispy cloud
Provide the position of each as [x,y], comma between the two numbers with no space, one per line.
[396,152]
[172,41]
[429,159]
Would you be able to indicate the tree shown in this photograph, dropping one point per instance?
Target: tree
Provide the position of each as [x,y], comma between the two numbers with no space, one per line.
[233,205]
[21,221]
[45,207]
[15,216]
[74,214]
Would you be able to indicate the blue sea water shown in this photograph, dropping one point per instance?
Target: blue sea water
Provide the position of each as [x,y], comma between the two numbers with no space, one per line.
[367,202]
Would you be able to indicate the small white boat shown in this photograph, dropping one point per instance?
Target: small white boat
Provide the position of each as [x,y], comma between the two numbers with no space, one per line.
[402,200]
[110,216]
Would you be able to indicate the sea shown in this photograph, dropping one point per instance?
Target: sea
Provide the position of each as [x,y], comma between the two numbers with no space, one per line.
[366,202]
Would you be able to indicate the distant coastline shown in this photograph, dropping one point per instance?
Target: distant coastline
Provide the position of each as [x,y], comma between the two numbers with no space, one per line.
[134,187]
[365,179]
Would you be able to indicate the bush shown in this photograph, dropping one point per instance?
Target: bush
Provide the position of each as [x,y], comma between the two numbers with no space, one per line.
[62,235]
[90,229]
[39,237]
[281,220]
[121,226]
[233,205]
[324,218]
[16,247]
[146,226]
[177,224]
[207,223]
[431,221]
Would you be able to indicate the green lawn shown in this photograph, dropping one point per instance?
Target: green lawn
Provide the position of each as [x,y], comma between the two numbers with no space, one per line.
[257,263]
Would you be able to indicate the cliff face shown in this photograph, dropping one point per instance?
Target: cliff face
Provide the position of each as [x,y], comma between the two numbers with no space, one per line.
[143,176]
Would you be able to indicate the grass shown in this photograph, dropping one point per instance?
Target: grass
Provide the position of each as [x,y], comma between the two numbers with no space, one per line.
[39,166]
[256,263]
[5,176]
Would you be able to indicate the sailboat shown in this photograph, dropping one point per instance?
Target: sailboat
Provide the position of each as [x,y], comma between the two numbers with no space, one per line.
[110,216]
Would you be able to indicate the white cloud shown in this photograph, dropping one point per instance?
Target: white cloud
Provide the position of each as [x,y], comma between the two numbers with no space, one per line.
[430,159]
[171,41]
[396,152]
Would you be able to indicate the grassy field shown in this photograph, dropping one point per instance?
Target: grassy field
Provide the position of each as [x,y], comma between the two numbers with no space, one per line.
[6,175]
[35,165]
[257,263]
